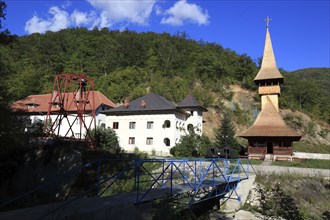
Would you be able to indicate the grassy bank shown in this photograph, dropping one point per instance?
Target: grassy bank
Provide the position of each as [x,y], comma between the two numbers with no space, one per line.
[309,163]
[292,196]
[311,148]
[253,162]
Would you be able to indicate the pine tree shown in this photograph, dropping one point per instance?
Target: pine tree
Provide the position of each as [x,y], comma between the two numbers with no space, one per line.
[225,136]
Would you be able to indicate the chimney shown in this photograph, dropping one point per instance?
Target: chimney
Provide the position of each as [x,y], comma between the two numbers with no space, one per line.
[126,103]
[143,103]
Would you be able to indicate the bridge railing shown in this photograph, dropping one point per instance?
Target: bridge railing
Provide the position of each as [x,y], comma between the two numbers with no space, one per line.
[149,174]
[143,176]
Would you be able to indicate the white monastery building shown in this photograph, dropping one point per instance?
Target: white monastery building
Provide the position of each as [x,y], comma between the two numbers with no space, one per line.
[153,124]
[150,123]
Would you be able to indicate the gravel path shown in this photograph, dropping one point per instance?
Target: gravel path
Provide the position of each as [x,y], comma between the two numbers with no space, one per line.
[298,170]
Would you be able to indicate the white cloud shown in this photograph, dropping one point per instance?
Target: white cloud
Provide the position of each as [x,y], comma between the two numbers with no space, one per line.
[59,20]
[158,10]
[66,4]
[184,12]
[133,11]
[82,18]
[106,13]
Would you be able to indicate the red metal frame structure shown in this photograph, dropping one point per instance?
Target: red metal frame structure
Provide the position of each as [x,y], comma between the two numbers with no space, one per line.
[73,95]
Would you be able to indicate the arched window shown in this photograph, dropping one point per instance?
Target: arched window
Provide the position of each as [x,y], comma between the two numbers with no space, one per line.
[167,142]
[167,124]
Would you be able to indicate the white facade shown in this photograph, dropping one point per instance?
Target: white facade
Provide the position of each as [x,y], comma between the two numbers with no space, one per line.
[196,120]
[74,121]
[153,133]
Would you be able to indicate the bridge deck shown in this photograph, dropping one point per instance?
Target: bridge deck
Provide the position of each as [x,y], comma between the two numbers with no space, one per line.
[158,193]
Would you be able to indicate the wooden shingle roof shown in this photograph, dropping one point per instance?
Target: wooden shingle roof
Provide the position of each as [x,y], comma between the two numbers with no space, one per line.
[269,123]
[269,70]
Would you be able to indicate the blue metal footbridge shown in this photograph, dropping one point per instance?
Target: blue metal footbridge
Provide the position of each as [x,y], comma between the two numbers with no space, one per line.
[138,181]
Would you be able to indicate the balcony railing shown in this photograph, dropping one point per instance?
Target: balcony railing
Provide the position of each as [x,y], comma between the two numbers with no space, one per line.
[264,90]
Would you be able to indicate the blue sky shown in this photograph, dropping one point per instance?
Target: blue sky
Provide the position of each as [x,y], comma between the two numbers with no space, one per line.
[299,29]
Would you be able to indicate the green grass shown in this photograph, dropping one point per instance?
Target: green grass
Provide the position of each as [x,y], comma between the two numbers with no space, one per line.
[310,148]
[309,163]
[253,162]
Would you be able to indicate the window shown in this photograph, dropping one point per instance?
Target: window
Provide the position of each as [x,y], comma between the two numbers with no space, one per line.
[258,144]
[167,124]
[167,142]
[31,106]
[131,140]
[102,125]
[150,125]
[132,125]
[115,125]
[150,141]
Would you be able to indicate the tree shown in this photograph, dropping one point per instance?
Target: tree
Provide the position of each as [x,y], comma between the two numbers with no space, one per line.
[225,136]
[36,128]
[3,7]
[5,37]
[204,145]
[106,139]
[191,145]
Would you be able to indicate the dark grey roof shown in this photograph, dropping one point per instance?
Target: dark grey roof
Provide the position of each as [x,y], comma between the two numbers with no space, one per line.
[190,102]
[152,102]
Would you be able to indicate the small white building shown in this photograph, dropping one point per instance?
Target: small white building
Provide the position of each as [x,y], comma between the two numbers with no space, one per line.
[153,124]
[36,107]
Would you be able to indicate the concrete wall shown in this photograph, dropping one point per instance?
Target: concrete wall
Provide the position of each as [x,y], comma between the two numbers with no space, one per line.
[41,167]
[311,155]
[96,208]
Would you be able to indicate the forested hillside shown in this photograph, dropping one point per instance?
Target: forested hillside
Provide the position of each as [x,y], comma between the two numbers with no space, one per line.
[123,63]
[129,64]
[308,90]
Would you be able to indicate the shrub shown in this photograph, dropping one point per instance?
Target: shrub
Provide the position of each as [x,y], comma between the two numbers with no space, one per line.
[293,196]
[106,139]
[191,145]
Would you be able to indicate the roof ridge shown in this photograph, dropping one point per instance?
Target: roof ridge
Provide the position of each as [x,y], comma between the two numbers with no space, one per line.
[153,102]
[190,101]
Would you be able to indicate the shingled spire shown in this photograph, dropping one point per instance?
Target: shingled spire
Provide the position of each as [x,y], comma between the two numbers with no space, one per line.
[269,134]
[269,70]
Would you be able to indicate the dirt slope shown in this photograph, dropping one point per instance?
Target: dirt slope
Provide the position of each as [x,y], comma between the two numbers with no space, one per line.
[313,131]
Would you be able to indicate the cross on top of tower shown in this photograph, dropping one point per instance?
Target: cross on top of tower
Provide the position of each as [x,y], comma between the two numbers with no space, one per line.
[267,20]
